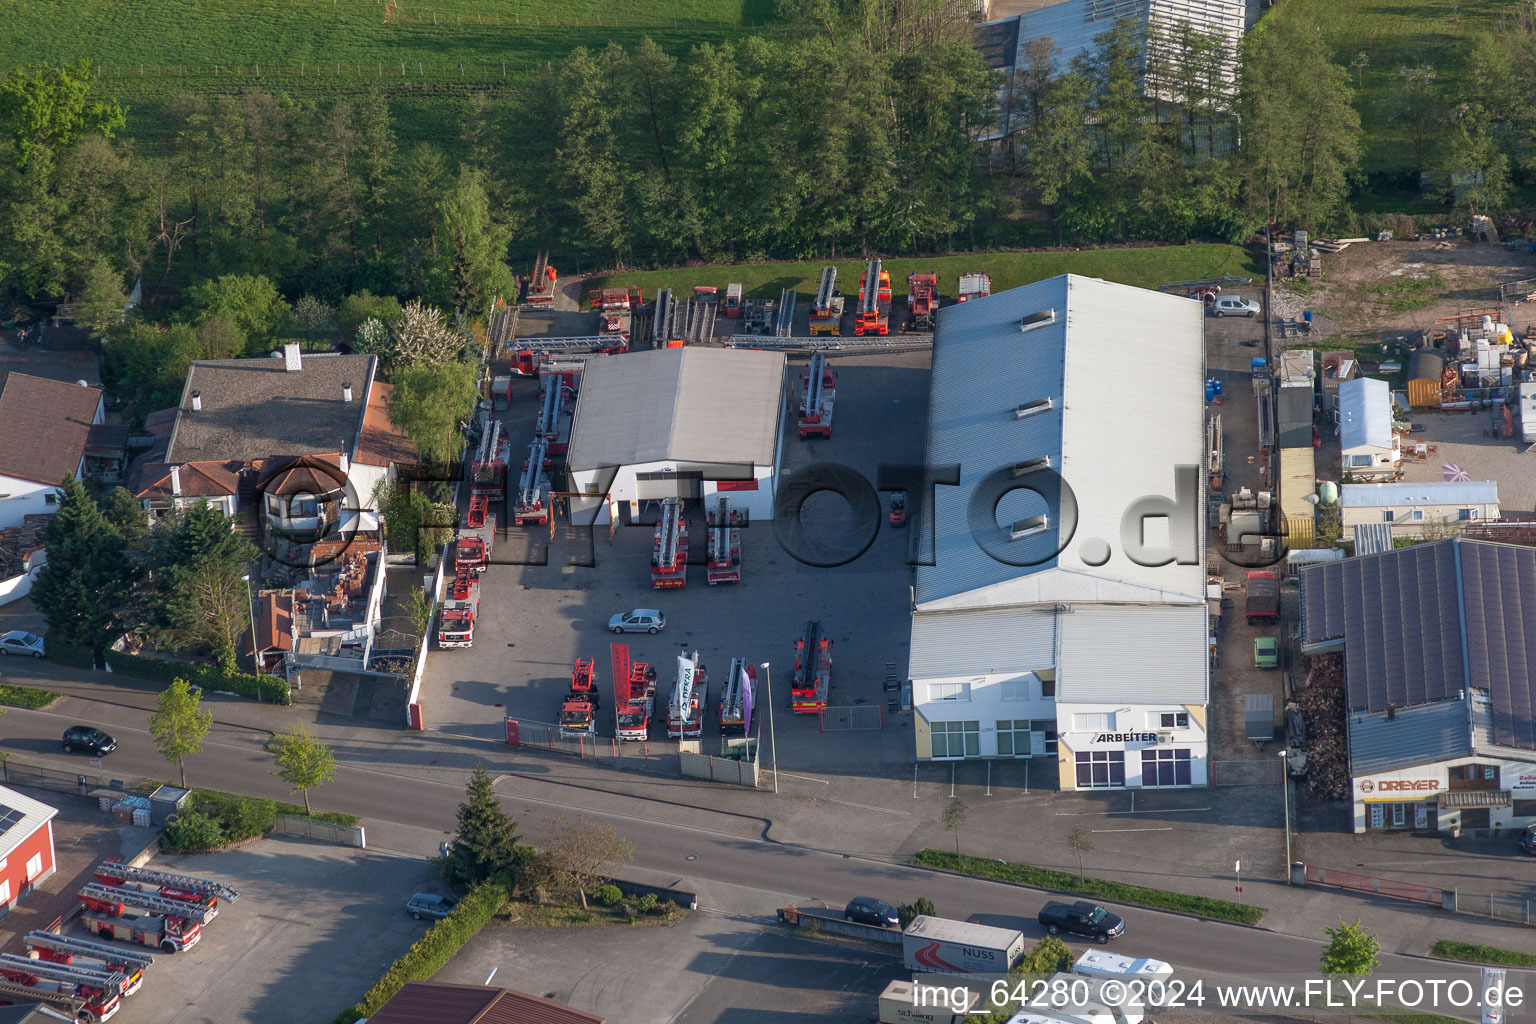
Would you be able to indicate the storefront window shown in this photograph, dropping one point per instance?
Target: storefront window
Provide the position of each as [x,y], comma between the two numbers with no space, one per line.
[1165,767]
[1013,737]
[956,739]
[1100,768]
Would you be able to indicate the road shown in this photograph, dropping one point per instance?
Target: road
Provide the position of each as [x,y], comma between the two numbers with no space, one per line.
[723,856]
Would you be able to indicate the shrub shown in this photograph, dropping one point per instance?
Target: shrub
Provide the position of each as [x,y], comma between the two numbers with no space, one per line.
[270,689]
[192,831]
[609,895]
[646,903]
[71,655]
[242,817]
[920,907]
[432,950]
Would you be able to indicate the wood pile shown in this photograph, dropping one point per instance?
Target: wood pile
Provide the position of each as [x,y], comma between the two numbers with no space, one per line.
[1322,703]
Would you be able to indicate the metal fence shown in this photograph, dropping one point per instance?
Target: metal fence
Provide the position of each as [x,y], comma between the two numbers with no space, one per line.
[309,828]
[546,736]
[1258,772]
[1514,909]
[718,769]
[14,774]
[853,717]
[1378,886]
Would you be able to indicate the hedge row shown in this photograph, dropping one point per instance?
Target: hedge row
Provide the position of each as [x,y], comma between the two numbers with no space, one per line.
[212,819]
[70,655]
[432,950]
[271,689]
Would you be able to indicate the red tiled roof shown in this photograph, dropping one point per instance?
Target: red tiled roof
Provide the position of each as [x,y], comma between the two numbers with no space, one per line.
[421,1002]
[302,474]
[198,480]
[382,442]
[45,426]
[274,623]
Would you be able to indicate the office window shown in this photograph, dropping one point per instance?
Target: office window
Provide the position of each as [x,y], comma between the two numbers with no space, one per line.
[1387,515]
[1165,766]
[1098,769]
[1360,461]
[949,691]
[1173,720]
[1047,726]
[1399,815]
[1418,515]
[34,866]
[956,739]
[1465,514]
[1016,689]
[1048,688]
[1098,721]
[5,891]
[1013,737]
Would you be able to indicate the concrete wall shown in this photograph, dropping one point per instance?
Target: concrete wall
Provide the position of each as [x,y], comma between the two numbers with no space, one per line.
[19,586]
[24,498]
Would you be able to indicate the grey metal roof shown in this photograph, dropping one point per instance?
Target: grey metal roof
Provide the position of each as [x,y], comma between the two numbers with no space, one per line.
[1115,437]
[1421,735]
[694,405]
[1372,538]
[1478,492]
[985,641]
[1425,623]
[1296,410]
[1365,414]
[1133,655]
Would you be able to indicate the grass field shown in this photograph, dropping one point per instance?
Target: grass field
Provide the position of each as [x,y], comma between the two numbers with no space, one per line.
[147,52]
[1390,35]
[1146,267]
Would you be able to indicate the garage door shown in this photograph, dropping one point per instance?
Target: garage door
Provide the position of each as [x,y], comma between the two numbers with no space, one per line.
[656,486]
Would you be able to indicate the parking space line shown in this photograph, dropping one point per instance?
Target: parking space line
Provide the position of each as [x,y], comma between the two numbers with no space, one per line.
[1164,828]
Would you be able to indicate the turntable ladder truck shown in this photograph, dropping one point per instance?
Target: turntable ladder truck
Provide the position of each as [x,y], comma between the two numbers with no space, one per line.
[554,424]
[922,300]
[135,917]
[578,711]
[456,618]
[634,695]
[63,949]
[685,718]
[813,672]
[973,286]
[874,312]
[488,472]
[541,283]
[818,394]
[530,355]
[669,548]
[827,308]
[532,505]
[736,701]
[106,897]
[724,544]
[115,872]
[93,995]
[784,313]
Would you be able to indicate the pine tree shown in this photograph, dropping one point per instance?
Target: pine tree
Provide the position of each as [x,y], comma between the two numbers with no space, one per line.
[85,589]
[487,839]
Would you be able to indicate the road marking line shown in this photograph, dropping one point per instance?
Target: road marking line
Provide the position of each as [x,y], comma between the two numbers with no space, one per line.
[1107,814]
[1165,828]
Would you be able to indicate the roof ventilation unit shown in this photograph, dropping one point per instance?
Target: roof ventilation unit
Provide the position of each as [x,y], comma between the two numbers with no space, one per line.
[1042,319]
[1031,465]
[1028,527]
[1030,408]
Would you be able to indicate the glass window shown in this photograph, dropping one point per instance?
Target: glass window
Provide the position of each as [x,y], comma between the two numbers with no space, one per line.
[1387,515]
[1048,688]
[1465,514]
[1048,727]
[1418,515]
[1016,689]
[1173,720]
[1098,769]
[1013,737]
[1399,815]
[957,739]
[1359,460]
[949,691]
[1097,721]
[1165,766]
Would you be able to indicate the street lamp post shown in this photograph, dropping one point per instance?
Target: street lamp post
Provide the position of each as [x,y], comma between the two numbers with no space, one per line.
[1285,790]
[773,750]
[250,603]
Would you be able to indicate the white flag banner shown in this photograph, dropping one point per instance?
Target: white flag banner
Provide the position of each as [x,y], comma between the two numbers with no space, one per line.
[1493,995]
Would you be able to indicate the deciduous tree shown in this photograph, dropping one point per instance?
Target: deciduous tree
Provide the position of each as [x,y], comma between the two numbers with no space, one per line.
[179,724]
[430,402]
[1351,949]
[582,851]
[303,761]
[50,106]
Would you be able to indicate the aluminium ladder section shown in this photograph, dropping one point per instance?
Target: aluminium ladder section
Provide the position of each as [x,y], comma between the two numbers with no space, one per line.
[150,902]
[533,488]
[869,293]
[784,316]
[187,883]
[825,290]
[812,681]
[16,992]
[108,953]
[835,343]
[549,415]
[724,546]
[503,327]
[668,568]
[732,700]
[816,409]
[111,982]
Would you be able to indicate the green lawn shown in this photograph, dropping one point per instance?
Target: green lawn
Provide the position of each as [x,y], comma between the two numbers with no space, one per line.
[1145,267]
[1390,35]
[1472,954]
[148,52]
[26,696]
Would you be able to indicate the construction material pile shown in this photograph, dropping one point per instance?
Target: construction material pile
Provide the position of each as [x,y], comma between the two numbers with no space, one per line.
[1322,702]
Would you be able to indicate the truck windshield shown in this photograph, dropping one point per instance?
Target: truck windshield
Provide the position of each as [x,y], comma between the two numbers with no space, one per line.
[631,720]
[573,718]
[1096,916]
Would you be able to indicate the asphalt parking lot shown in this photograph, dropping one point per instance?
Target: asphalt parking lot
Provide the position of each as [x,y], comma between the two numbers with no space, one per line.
[538,618]
[314,928]
[707,969]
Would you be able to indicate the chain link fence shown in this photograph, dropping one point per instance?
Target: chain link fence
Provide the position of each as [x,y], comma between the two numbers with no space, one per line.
[853,718]
[13,774]
[548,737]
[1514,909]
[1266,772]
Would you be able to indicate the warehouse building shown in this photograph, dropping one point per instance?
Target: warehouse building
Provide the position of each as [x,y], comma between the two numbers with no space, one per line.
[1414,509]
[1438,672]
[1368,445]
[681,422]
[1034,630]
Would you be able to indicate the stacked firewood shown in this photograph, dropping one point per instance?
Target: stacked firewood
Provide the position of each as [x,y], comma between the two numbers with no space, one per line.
[1323,702]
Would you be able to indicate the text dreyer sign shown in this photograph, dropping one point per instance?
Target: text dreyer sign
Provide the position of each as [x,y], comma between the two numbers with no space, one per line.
[1399,787]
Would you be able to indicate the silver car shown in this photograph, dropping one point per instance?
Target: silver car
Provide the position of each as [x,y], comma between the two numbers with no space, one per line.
[19,641]
[641,620]
[1234,305]
[428,905]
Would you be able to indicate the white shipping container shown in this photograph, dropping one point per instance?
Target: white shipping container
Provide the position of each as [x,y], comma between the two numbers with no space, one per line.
[898,1005]
[941,946]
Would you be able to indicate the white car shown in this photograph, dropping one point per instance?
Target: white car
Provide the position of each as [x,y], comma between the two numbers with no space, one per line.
[641,620]
[1234,305]
[19,641]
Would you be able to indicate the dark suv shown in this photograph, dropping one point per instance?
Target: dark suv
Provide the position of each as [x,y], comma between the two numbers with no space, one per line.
[1087,919]
[868,910]
[89,739]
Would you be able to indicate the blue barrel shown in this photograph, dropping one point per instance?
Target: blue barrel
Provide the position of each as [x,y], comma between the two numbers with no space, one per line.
[1210,389]
[1306,315]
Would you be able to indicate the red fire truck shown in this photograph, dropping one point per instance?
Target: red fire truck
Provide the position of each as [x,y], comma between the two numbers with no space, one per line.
[818,395]
[578,711]
[488,471]
[669,550]
[96,956]
[690,695]
[114,913]
[531,505]
[634,695]
[557,404]
[813,672]
[91,995]
[456,619]
[922,300]
[472,548]
[874,311]
[724,544]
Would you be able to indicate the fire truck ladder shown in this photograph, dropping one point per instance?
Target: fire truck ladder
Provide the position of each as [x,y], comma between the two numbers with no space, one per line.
[186,883]
[554,399]
[68,945]
[869,293]
[816,377]
[668,528]
[530,490]
[731,706]
[152,902]
[824,343]
[701,321]
[16,992]
[665,324]
[784,316]
[540,272]
[503,325]
[575,343]
[486,452]
[107,981]
[825,290]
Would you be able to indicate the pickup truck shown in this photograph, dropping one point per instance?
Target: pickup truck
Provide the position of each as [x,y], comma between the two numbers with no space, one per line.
[1087,919]
[1262,606]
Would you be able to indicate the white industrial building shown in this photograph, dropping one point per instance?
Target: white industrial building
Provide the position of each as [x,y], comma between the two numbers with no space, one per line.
[1412,509]
[679,422]
[1368,446]
[1034,632]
